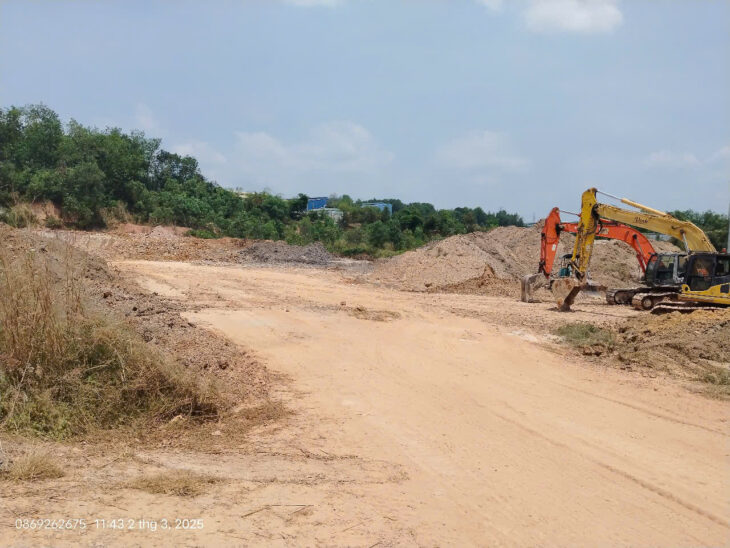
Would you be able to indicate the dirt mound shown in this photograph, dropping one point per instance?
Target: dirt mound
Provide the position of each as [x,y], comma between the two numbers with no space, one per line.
[160,243]
[493,262]
[694,346]
[156,319]
[159,230]
[281,252]
[151,244]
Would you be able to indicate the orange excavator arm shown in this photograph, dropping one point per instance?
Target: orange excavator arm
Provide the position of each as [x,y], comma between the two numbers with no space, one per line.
[604,229]
[617,231]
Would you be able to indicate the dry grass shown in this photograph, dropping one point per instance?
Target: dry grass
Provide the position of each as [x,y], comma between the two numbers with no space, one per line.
[66,368]
[263,413]
[181,483]
[32,467]
[20,216]
[583,334]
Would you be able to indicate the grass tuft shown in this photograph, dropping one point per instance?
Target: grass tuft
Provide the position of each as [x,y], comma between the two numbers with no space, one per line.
[20,216]
[181,483]
[33,467]
[583,334]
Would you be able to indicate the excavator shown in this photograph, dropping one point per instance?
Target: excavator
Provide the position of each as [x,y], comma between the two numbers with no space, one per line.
[550,237]
[706,280]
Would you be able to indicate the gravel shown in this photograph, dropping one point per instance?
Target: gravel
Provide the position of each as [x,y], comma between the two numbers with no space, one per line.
[281,252]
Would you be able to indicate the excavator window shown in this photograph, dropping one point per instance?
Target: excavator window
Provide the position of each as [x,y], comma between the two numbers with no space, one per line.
[665,269]
[700,274]
[681,266]
[722,268]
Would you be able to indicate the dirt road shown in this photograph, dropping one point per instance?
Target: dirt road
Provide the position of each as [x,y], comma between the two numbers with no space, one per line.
[420,425]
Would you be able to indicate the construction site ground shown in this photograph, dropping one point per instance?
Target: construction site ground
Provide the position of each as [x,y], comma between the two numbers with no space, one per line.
[407,418]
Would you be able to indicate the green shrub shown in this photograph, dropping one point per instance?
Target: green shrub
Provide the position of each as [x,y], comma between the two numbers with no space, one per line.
[583,334]
[54,223]
[202,233]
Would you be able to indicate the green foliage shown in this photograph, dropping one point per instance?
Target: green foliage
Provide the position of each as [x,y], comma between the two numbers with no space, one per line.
[583,334]
[98,176]
[203,233]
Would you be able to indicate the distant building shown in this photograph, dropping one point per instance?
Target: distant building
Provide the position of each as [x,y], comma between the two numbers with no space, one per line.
[333,213]
[319,205]
[314,204]
[382,206]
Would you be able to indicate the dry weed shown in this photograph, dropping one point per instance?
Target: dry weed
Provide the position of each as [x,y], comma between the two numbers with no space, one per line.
[32,467]
[181,483]
[66,368]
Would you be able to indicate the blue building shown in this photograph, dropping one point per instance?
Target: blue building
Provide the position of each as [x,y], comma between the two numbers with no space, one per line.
[316,203]
[382,206]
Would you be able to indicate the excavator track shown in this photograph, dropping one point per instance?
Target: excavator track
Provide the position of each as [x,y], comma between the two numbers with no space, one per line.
[647,300]
[682,307]
[621,295]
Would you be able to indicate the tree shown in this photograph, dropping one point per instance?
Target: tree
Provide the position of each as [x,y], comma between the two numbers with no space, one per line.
[715,225]
[42,134]
[377,234]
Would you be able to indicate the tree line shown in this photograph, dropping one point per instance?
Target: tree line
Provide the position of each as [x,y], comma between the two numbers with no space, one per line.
[96,177]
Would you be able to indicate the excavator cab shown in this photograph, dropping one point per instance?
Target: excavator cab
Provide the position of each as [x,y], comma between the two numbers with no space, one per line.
[707,284]
[707,271]
[666,269]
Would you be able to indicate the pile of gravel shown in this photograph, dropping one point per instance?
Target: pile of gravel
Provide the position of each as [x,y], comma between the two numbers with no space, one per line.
[281,252]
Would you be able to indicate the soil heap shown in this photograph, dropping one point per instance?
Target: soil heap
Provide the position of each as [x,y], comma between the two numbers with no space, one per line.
[493,262]
[281,252]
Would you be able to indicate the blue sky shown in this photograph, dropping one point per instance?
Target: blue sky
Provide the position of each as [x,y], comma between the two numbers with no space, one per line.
[517,104]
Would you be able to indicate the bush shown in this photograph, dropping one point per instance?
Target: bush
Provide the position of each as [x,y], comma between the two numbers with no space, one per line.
[583,334]
[202,233]
[66,369]
[20,216]
[54,223]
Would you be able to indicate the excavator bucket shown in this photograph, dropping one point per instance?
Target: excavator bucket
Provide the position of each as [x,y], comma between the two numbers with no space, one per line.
[529,284]
[565,290]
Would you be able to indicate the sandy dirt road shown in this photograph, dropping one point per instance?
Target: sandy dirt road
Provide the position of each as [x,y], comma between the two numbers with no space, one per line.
[454,430]
[417,420]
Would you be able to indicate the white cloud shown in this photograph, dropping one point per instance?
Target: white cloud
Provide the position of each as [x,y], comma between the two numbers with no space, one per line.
[671,160]
[313,3]
[201,151]
[494,5]
[582,16]
[336,147]
[481,150]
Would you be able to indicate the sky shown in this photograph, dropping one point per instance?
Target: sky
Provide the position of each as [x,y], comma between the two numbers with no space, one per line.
[515,104]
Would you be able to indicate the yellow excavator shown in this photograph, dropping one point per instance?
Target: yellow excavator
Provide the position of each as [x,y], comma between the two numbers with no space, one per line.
[706,279]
